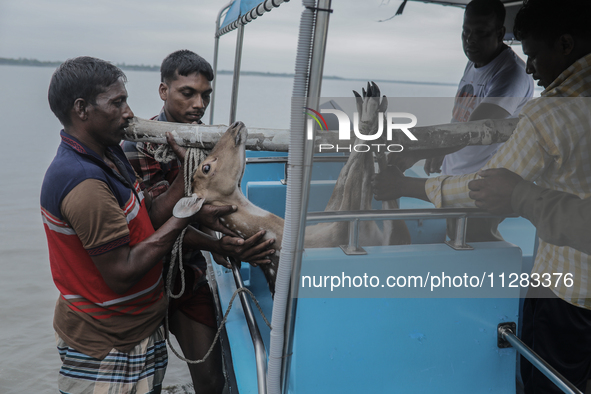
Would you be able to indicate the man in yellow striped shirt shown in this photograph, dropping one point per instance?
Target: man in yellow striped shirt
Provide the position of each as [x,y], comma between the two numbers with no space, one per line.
[551,146]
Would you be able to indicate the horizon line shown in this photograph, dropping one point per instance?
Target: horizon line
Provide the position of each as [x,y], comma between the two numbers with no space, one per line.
[134,67]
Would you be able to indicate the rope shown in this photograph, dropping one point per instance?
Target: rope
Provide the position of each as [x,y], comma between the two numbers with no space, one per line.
[162,154]
[193,157]
[176,254]
[222,324]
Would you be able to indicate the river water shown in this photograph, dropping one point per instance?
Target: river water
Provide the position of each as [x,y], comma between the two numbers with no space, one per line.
[30,134]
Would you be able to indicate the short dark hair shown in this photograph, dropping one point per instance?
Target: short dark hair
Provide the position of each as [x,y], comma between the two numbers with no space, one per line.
[486,8]
[184,62]
[549,19]
[83,77]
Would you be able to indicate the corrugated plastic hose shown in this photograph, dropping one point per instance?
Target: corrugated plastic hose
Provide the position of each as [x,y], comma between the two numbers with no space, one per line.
[293,202]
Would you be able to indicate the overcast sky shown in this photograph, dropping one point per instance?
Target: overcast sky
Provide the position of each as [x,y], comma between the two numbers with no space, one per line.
[421,45]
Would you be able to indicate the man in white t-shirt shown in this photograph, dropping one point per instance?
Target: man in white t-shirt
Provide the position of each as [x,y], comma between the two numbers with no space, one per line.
[494,86]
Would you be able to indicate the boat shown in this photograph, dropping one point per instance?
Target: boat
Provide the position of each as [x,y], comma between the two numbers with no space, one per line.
[364,338]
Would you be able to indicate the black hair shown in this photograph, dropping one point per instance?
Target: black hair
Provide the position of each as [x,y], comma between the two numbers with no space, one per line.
[83,77]
[486,8]
[549,19]
[184,62]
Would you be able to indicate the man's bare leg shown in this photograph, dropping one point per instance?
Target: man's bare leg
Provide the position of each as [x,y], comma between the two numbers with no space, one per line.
[195,339]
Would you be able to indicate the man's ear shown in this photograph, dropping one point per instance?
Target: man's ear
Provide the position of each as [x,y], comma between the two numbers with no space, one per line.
[80,109]
[163,91]
[502,32]
[567,44]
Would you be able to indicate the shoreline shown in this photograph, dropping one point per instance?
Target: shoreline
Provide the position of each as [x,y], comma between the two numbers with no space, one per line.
[134,67]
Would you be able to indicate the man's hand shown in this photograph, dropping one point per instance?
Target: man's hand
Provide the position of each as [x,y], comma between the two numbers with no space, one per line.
[221,260]
[493,192]
[387,184]
[433,158]
[209,216]
[433,165]
[251,250]
[178,150]
[404,160]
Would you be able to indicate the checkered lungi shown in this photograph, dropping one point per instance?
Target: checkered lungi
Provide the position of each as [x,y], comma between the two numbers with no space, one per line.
[137,372]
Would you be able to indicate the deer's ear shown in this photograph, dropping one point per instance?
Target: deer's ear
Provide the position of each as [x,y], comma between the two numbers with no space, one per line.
[187,206]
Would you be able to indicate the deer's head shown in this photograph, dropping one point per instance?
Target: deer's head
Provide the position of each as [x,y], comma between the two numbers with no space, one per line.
[218,176]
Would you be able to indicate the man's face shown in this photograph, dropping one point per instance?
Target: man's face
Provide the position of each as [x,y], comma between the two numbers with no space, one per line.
[186,98]
[481,39]
[545,62]
[110,115]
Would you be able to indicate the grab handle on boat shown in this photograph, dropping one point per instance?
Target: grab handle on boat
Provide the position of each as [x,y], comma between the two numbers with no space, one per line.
[257,340]
[353,247]
[506,334]
[459,241]
[354,217]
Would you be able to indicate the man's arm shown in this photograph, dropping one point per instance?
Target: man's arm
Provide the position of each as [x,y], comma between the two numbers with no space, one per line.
[433,163]
[391,184]
[506,91]
[561,218]
[488,111]
[123,267]
[253,250]
[434,157]
[100,224]
[520,154]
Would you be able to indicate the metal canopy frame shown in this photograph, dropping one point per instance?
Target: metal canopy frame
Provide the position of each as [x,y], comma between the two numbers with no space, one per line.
[238,24]
[259,10]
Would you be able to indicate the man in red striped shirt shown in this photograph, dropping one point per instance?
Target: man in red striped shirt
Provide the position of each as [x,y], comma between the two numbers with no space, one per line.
[104,253]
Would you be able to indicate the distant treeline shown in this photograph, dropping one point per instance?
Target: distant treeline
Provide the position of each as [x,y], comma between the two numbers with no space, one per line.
[142,67]
[28,62]
[38,63]
[135,67]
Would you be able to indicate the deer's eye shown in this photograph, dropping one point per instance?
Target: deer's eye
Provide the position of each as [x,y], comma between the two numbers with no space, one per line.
[206,168]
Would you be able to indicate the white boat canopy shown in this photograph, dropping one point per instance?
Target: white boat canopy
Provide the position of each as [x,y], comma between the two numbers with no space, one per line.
[240,12]
[511,7]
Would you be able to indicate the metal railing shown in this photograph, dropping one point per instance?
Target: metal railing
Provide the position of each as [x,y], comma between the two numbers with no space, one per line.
[505,333]
[236,74]
[354,217]
[257,340]
[283,159]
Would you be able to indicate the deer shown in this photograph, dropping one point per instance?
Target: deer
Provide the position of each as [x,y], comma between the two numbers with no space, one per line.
[217,181]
